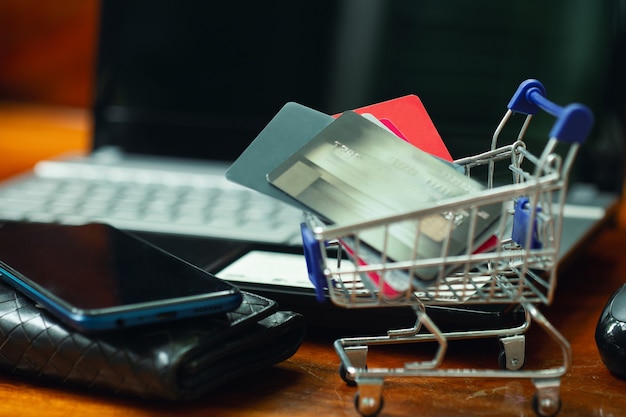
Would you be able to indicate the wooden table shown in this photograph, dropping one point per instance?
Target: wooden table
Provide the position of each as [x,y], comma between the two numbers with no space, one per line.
[308,384]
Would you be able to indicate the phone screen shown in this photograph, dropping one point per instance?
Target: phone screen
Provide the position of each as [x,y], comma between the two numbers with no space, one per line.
[95,266]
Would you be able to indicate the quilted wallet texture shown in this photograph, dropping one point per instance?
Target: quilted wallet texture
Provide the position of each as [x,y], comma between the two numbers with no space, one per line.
[174,361]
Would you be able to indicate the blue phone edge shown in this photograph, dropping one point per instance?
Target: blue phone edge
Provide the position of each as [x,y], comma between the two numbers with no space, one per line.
[131,315]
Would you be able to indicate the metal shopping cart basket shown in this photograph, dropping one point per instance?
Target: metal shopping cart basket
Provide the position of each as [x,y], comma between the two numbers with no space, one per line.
[515,264]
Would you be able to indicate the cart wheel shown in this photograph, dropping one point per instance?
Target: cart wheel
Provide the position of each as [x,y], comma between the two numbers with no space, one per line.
[367,406]
[512,352]
[547,407]
[343,373]
[503,362]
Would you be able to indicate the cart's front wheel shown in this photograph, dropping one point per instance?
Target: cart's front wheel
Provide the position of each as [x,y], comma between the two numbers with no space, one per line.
[348,379]
[368,406]
[546,407]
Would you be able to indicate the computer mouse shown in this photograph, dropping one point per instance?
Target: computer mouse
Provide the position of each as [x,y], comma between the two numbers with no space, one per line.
[611,333]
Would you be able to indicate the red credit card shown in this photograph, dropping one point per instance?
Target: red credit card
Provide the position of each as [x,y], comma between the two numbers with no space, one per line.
[407,117]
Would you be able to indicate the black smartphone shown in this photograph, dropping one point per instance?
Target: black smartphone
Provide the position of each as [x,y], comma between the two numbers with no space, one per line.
[95,277]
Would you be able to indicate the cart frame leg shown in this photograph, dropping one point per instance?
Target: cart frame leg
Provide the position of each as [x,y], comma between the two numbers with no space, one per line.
[439,337]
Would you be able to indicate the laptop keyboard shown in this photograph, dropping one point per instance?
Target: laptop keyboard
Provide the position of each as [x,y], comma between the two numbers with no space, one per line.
[213,211]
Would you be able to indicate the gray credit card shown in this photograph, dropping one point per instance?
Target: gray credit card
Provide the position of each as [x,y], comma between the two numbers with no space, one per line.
[292,127]
[354,171]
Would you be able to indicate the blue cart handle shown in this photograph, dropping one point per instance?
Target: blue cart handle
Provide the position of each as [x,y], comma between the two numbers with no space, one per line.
[314,261]
[573,123]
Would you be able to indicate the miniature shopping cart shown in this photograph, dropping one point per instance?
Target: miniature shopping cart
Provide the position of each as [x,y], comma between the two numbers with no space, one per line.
[515,264]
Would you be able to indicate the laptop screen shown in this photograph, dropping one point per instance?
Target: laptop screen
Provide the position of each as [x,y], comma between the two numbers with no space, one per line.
[200,79]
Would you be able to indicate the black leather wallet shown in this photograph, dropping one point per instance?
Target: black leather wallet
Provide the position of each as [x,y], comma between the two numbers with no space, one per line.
[175,361]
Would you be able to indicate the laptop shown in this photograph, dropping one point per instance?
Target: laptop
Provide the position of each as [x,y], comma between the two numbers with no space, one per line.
[182,88]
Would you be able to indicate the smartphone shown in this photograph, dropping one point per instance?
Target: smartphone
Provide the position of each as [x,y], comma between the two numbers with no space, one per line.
[95,277]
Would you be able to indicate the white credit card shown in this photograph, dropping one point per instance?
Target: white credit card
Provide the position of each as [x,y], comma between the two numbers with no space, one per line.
[285,269]
[270,268]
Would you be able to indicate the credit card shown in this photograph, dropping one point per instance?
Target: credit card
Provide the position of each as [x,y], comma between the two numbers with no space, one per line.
[408,118]
[355,171]
[293,126]
[392,284]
